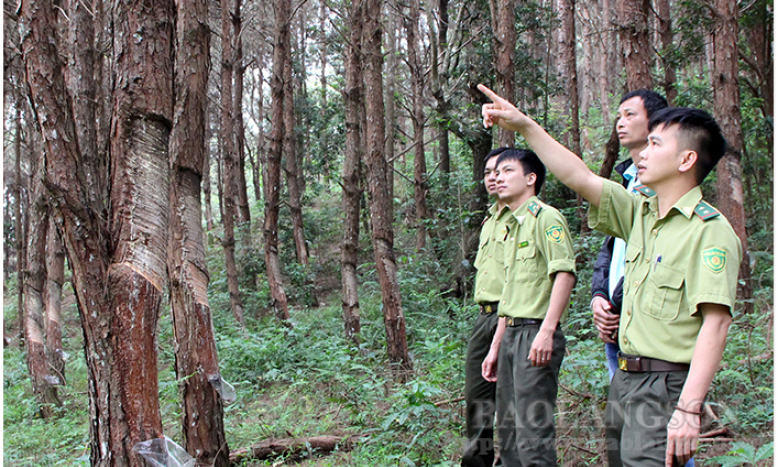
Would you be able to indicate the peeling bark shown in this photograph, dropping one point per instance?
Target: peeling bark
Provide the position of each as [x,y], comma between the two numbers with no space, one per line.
[380,202]
[197,363]
[634,33]
[291,167]
[282,9]
[33,286]
[726,98]
[55,278]
[417,117]
[505,36]
[353,96]
[229,175]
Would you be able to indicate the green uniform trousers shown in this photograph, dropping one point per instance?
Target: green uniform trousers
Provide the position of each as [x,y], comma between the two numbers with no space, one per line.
[640,405]
[526,399]
[479,396]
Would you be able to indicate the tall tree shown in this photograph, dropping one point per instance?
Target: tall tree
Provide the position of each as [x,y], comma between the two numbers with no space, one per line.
[55,278]
[292,166]
[33,286]
[141,119]
[380,202]
[726,99]
[505,36]
[117,260]
[665,27]
[418,119]
[282,10]
[230,167]
[239,70]
[197,363]
[353,97]
[636,41]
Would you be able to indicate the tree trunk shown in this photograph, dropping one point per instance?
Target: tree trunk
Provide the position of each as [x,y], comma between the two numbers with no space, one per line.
[242,198]
[142,116]
[55,278]
[33,287]
[230,168]
[417,117]
[197,363]
[20,213]
[726,98]
[118,299]
[282,9]
[353,99]
[390,105]
[380,202]
[504,27]
[291,168]
[666,35]
[634,32]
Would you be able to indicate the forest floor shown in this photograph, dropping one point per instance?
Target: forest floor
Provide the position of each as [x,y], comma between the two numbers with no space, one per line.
[308,380]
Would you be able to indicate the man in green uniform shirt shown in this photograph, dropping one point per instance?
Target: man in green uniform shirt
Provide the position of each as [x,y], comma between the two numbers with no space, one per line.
[682,264]
[528,347]
[489,280]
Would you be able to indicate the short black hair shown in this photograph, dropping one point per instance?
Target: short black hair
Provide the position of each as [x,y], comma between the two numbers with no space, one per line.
[495,153]
[652,101]
[698,131]
[530,163]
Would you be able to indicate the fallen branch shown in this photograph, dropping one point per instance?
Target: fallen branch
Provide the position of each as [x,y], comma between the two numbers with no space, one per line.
[449,401]
[717,432]
[585,395]
[293,447]
[717,440]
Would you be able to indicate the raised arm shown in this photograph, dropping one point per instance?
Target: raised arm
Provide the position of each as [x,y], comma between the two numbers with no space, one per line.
[568,167]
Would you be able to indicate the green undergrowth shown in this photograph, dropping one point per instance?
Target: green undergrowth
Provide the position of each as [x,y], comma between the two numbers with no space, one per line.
[308,379]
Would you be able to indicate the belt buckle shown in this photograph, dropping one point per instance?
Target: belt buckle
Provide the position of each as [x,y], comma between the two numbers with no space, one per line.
[509,321]
[622,364]
[632,364]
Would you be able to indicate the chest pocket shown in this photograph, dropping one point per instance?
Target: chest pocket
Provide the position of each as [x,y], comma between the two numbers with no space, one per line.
[526,264]
[490,249]
[665,293]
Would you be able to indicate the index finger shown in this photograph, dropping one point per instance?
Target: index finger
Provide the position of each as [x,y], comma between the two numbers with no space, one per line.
[489,93]
[669,453]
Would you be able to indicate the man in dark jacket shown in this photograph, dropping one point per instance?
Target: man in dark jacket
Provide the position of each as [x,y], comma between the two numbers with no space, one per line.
[635,110]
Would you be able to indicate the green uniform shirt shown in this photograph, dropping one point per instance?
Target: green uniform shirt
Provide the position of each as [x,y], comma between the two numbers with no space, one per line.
[538,246]
[489,261]
[673,264]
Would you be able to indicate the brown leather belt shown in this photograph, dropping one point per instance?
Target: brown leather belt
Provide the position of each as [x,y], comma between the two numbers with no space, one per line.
[509,321]
[488,308]
[633,363]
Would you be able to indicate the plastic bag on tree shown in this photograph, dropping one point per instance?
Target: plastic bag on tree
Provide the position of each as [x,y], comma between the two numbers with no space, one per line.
[163,452]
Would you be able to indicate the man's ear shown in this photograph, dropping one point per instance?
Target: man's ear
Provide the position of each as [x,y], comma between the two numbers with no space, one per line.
[688,160]
[532,178]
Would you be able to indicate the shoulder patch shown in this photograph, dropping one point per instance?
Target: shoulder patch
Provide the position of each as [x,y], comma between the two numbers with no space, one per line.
[706,211]
[555,233]
[714,259]
[644,190]
[534,208]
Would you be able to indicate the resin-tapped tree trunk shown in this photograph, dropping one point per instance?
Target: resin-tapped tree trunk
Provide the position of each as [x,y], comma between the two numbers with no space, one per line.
[197,363]
[141,120]
[380,202]
[229,176]
[726,99]
[55,278]
[117,260]
[282,9]
[33,286]
[353,96]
